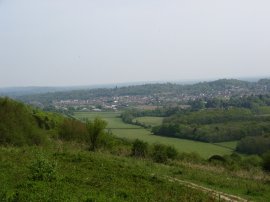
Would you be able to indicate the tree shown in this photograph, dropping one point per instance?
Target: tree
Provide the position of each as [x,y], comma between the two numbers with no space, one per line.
[159,153]
[72,129]
[95,130]
[139,148]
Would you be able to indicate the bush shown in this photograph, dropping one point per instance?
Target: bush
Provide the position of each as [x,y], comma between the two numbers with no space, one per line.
[171,152]
[251,162]
[139,148]
[42,170]
[266,161]
[253,145]
[72,130]
[161,153]
[217,158]
[96,130]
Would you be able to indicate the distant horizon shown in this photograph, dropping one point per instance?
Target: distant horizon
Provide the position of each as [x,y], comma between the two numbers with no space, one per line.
[124,84]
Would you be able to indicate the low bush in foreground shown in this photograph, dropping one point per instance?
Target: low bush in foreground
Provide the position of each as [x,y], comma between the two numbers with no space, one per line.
[139,148]
[42,169]
[161,153]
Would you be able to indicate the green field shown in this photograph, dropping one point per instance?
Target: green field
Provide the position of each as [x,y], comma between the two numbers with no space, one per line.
[229,145]
[123,130]
[113,119]
[150,120]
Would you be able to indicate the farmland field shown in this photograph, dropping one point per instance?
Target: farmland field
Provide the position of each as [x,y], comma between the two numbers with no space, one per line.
[131,132]
[231,144]
[112,118]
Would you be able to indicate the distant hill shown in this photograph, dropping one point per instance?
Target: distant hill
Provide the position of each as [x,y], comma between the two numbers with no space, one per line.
[212,88]
[20,91]
[32,90]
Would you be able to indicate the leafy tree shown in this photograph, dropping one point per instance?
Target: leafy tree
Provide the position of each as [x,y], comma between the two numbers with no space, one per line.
[95,130]
[254,145]
[139,148]
[72,130]
[159,153]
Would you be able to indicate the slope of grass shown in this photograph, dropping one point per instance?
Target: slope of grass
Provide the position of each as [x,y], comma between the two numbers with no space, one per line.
[86,176]
[128,131]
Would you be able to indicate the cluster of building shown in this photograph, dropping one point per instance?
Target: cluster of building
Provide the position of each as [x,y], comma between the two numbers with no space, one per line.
[149,101]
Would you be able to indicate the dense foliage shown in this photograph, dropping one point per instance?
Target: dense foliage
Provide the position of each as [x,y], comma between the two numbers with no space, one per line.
[139,148]
[266,161]
[254,145]
[95,131]
[253,102]
[72,129]
[214,125]
[18,124]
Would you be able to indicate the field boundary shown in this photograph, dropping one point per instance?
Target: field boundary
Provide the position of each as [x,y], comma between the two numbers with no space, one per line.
[226,147]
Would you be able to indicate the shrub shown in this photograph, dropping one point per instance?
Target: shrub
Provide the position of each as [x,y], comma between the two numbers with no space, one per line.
[171,152]
[72,130]
[266,161]
[251,162]
[139,148]
[253,145]
[159,153]
[42,170]
[217,158]
[96,130]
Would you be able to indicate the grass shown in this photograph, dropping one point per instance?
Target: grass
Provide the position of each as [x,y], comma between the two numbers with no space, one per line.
[112,118]
[131,132]
[150,120]
[230,145]
[87,176]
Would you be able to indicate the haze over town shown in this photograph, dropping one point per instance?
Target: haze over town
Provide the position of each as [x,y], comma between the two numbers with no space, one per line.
[67,42]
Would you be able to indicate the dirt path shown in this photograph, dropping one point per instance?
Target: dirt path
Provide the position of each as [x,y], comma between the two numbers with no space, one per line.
[221,196]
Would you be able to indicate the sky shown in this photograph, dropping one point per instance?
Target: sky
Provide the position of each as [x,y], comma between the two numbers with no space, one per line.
[86,42]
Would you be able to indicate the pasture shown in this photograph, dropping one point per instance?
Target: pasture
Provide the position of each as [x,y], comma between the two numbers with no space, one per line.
[132,132]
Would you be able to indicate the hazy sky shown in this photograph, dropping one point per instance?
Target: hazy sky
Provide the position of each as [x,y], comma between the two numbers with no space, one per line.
[82,42]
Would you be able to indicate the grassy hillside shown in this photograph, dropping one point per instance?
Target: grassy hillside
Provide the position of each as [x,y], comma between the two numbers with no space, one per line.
[74,174]
[131,132]
[84,176]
